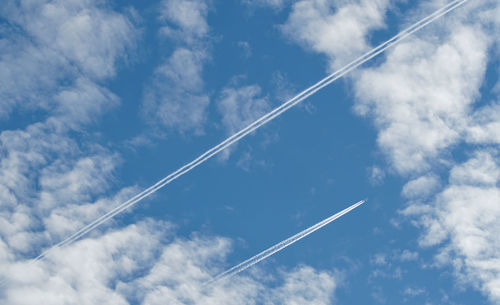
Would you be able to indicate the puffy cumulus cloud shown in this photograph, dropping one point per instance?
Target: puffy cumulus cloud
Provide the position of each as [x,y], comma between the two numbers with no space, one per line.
[86,272]
[50,184]
[419,97]
[84,33]
[484,127]
[46,44]
[175,96]
[81,104]
[423,110]
[145,264]
[423,99]
[54,55]
[187,19]
[305,285]
[52,180]
[180,275]
[465,220]
[338,29]
[422,186]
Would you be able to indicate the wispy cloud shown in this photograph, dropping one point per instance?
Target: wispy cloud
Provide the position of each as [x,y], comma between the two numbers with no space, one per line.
[240,106]
[175,97]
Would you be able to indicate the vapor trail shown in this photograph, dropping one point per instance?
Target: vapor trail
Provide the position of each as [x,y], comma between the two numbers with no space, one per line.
[281,245]
[256,124]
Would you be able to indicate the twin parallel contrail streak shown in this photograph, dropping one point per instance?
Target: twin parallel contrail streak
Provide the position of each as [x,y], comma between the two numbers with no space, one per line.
[281,245]
[256,124]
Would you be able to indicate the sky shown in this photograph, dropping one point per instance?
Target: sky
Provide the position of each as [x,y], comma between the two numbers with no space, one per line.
[100,99]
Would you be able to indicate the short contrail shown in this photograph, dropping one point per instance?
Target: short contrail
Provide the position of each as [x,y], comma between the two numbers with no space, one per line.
[281,245]
[257,124]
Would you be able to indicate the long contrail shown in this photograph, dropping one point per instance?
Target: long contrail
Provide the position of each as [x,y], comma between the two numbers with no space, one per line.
[257,124]
[281,245]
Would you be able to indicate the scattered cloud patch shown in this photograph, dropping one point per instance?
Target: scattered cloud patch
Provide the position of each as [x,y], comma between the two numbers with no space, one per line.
[274,4]
[240,106]
[175,97]
[421,187]
[338,29]
[376,175]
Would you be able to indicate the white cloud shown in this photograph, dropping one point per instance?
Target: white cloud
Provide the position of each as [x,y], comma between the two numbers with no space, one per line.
[143,264]
[240,106]
[53,55]
[178,277]
[304,286]
[337,29]
[414,291]
[81,104]
[85,34]
[85,272]
[420,95]
[28,73]
[376,175]
[274,4]
[175,97]
[422,99]
[188,18]
[485,126]
[465,221]
[407,255]
[46,43]
[423,108]
[52,180]
[421,187]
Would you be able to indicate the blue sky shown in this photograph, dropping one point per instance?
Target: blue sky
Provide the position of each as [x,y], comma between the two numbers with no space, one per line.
[100,99]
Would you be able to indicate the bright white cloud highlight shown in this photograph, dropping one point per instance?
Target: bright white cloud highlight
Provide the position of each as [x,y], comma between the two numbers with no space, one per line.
[336,28]
[422,100]
[464,221]
[52,180]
